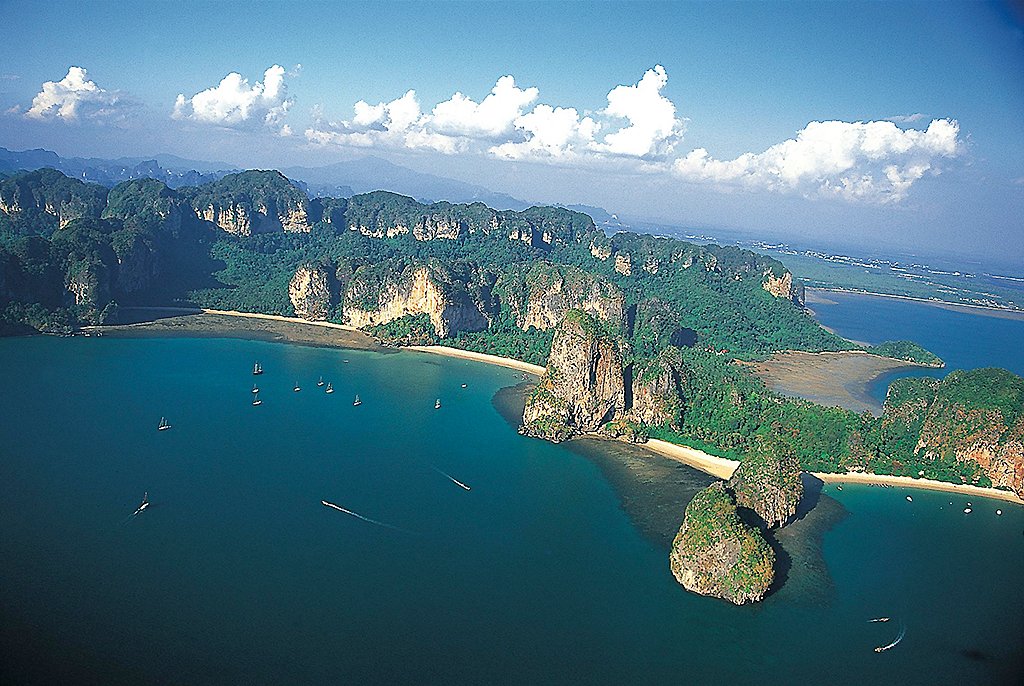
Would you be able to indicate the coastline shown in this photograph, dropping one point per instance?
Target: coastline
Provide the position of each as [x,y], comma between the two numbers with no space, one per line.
[718,467]
[509,362]
[985,310]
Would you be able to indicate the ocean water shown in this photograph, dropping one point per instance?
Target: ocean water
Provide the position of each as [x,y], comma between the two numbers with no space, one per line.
[964,340]
[237,574]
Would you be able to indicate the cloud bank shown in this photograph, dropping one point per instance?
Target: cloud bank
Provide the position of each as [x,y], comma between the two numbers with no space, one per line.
[874,161]
[639,123]
[234,102]
[75,97]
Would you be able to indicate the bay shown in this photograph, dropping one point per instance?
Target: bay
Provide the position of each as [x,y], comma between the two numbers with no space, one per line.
[238,574]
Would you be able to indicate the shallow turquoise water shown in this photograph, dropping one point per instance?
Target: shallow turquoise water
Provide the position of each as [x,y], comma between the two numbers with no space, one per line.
[237,573]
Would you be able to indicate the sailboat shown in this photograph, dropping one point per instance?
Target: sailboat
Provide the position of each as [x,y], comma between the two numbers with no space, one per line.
[256,399]
[143,505]
[297,388]
[330,388]
[163,425]
[320,382]
[437,404]
[357,402]
[255,389]
[257,369]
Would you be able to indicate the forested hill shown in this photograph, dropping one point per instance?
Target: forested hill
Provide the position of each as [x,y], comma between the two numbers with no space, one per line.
[69,249]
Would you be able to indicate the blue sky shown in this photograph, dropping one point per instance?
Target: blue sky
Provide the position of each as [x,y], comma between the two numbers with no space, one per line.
[891,123]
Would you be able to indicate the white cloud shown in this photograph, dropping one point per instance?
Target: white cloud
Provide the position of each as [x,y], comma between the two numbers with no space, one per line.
[653,128]
[874,161]
[233,101]
[905,118]
[73,97]
[502,124]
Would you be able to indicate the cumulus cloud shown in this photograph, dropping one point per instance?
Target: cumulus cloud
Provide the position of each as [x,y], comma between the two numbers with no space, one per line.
[235,102]
[874,161]
[75,97]
[510,123]
[653,127]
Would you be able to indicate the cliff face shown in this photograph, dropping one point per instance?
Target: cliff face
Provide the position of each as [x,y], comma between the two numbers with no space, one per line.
[252,202]
[716,554]
[768,482]
[582,387]
[657,395]
[310,292]
[50,200]
[783,287]
[417,290]
[975,415]
[553,291]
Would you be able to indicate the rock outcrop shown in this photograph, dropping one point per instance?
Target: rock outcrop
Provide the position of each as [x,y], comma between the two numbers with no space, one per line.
[49,199]
[554,290]
[657,395]
[252,202]
[310,292]
[768,482]
[373,298]
[716,554]
[582,387]
[783,287]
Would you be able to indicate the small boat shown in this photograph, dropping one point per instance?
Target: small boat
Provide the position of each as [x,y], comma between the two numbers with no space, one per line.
[909,499]
[257,369]
[999,512]
[255,389]
[330,388]
[357,402]
[878,619]
[345,361]
[163,425]
[297,387]
[967,510]
[463,385]
[256,400]
[437,404]
[320,382]
[143,505]
[839,487]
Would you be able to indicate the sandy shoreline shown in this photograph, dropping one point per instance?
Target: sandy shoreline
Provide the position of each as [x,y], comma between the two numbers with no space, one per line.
[478,357]
[1004,313]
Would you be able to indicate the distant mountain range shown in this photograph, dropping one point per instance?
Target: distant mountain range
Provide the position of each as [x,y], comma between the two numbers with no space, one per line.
[339,180]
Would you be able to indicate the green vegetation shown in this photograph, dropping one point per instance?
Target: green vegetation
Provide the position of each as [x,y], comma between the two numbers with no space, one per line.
[907,350]
[716,554]
[412,329]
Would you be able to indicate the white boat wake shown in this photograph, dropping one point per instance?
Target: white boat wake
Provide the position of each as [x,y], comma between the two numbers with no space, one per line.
[899,637]
[452,478]
[339,508]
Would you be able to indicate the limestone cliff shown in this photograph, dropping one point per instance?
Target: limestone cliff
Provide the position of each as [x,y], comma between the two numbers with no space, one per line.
[554,290]
[377,297]
[657,395]
[310,292]
[716,554]
[582,387]
[768,482]
[783,287]
[49,200]
[252,202]
[977,415]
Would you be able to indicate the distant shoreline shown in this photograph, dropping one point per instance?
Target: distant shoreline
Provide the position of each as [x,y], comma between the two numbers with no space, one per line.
[716,466]
[985,310]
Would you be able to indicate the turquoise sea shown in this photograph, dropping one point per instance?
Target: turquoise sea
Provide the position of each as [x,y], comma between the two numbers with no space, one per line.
[552,569]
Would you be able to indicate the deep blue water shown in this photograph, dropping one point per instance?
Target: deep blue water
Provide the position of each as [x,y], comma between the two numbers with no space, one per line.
[237,573]
[964,340]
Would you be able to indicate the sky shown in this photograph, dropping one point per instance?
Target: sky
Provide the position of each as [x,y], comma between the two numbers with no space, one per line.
[884,124]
